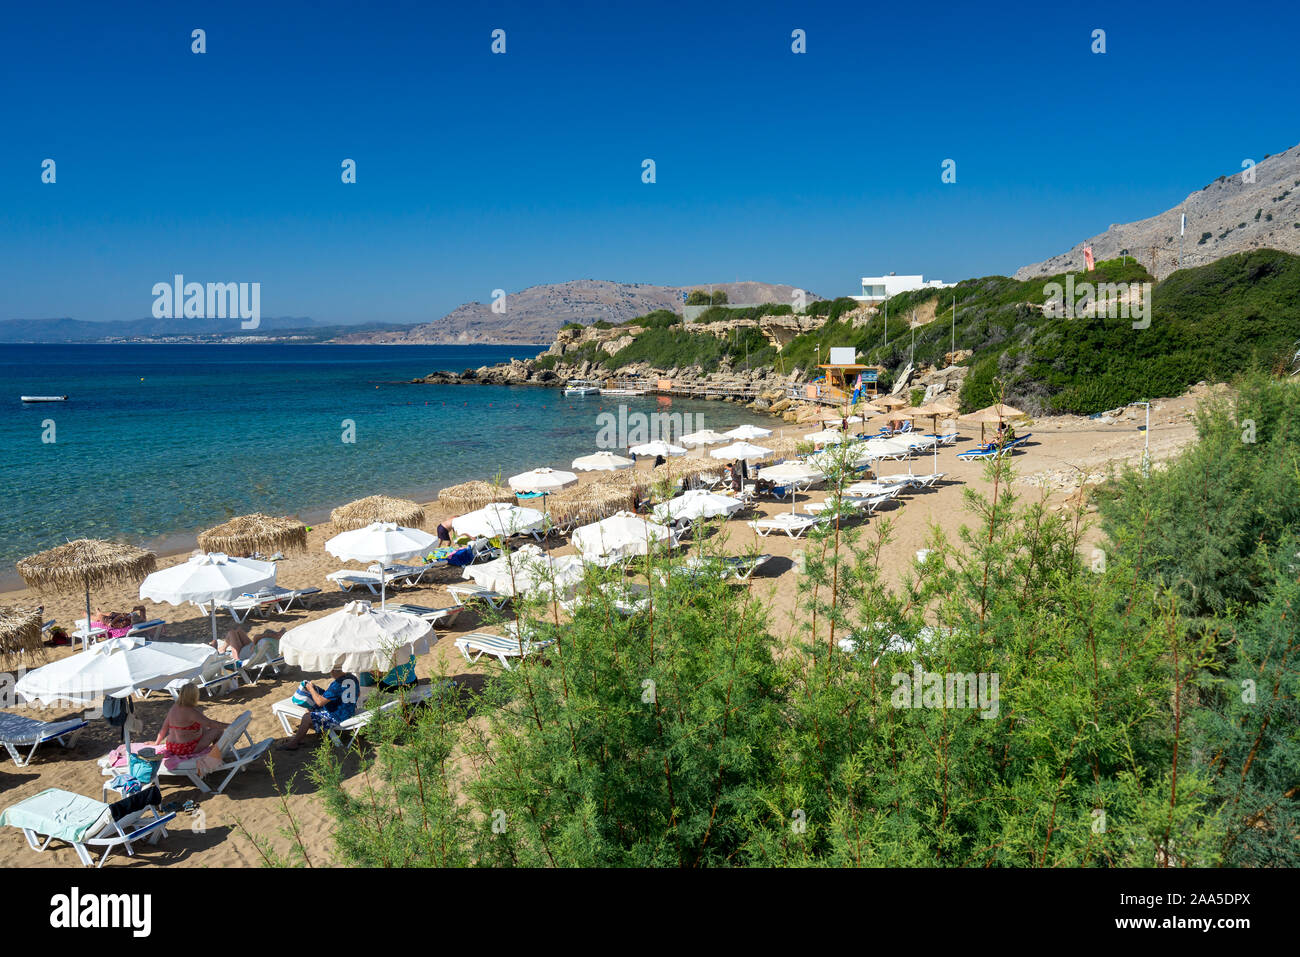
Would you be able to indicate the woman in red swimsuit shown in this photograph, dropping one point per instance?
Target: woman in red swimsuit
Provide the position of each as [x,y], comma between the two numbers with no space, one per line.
[185,730]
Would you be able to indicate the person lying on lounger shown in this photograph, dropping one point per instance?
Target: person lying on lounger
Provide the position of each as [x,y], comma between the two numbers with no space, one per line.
[333,706]
[186,731]
[241,644]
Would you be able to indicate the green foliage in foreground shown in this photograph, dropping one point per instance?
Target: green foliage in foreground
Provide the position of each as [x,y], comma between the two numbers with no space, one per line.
[1144,711]
[1219,529]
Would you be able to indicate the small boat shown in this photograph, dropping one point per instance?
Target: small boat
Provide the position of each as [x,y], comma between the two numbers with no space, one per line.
[44,398]
[582,387]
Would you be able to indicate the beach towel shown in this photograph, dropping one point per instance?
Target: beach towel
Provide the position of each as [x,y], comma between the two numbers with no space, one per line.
[205,762]
[58,813]
[461,557]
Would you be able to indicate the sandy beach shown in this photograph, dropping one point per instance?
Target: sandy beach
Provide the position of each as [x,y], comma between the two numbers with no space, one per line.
[1062,451]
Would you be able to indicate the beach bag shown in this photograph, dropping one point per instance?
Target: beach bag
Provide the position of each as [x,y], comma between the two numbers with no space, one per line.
[301,698]
[143,768]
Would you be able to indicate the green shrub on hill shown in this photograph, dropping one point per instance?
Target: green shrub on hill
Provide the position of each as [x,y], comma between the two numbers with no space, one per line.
[1212,322]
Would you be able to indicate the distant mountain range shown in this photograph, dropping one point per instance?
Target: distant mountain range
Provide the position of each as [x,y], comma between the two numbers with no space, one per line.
[79,330]
[535,314]
[1248,209]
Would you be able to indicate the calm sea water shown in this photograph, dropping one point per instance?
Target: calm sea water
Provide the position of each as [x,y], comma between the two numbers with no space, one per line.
[157,442]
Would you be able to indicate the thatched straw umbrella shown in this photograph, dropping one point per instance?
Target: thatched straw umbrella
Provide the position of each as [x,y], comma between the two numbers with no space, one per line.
[85,562]
[247,534]
[20,635]
[997,412]
[377,508]
[590,503]
[471,496]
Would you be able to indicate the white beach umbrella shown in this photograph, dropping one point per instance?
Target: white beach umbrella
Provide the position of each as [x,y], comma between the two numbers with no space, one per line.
[703,437]
[381,542]
[525,570]
[114,668]
[498,520]
[358,637]
[747,432]
[207,579]
[618,536]
[602,462]
[695,504]
[796,473]
[851,455]
[791,472]
[825,437]
[740,450]
[657,448]
[542,480]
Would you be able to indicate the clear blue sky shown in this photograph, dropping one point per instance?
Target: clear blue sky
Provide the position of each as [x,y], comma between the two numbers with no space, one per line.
[478,171]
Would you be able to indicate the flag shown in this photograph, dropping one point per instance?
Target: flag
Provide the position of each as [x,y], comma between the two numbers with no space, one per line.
[1087,257]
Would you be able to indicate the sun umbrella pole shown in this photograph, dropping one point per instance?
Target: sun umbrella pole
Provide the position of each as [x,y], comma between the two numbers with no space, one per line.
[85,642]
[383,584]
[213,616]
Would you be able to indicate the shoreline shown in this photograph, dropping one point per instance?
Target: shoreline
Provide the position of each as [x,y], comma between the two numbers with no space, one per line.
[171,543]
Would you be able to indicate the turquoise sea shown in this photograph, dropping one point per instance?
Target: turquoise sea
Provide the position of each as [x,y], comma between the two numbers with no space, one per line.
[157,442]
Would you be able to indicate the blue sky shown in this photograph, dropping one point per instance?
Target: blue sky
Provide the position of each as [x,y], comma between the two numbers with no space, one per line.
[478,171]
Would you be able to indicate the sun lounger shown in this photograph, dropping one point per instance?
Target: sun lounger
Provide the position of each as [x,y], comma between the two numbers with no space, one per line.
[872,489]
[739,568]
[262,660]
[149,630]
[469,590]
[794,524]
[626,598]
[441,617]
[221,674]
[849,503]
[290,714]
[929,480]
[501,647]
[984,452]
[88,824]
[395,576]
[233,758]
[19,731]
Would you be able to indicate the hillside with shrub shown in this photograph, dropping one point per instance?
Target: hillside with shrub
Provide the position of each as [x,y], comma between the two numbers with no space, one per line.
[1212,323]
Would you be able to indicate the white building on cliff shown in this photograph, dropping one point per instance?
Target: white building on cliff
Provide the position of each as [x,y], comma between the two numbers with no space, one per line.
[879,288]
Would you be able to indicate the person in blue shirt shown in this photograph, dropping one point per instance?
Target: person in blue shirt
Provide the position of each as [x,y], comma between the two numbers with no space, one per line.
[333,706]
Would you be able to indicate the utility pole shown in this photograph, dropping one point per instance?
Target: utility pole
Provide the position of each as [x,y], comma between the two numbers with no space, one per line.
[911,355]
[1182,231]
[1146,447]
[954,331]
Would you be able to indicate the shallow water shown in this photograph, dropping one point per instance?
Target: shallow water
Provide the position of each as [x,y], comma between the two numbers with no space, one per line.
[157,442]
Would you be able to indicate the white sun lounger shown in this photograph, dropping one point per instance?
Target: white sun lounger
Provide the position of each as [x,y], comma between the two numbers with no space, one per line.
[738,568]
[19,731]
[221,674]
[290,715]
[277,599]
[468,590]
[872,489]
[441,617]
[233,758]
[626,598]
[501,647]
[85,823]
[794,524]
